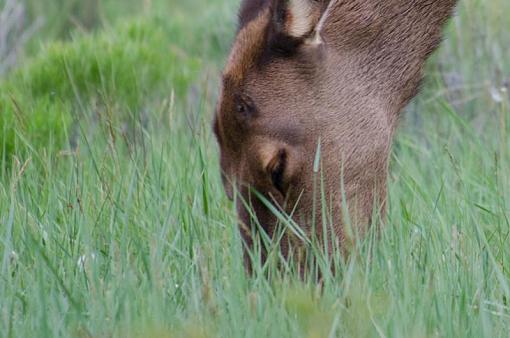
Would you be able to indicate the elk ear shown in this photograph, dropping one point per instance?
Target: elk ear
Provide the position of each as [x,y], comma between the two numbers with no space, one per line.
[296,19]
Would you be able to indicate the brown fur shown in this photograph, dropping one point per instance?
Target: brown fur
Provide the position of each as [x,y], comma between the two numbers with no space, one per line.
[282,95]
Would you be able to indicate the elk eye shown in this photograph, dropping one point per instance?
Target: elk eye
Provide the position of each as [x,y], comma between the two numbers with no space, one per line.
[241,108]
[277,171]
[244,106]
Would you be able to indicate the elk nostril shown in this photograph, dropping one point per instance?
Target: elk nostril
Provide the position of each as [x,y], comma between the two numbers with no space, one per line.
[277,171]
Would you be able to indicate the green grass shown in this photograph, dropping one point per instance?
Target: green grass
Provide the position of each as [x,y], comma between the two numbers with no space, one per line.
[113,221]
[117,74]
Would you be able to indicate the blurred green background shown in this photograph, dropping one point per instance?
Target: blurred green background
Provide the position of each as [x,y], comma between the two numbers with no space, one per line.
[113,221]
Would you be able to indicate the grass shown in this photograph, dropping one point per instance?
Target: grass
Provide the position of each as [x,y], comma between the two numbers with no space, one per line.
[117,74]
[126,232]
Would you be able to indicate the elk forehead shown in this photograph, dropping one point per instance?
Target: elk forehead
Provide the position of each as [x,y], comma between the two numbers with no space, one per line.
[248,46]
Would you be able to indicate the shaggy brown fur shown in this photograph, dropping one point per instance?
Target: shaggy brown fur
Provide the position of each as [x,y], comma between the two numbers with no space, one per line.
[308,72]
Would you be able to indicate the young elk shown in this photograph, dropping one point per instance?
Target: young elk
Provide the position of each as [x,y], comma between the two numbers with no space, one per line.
[304,74]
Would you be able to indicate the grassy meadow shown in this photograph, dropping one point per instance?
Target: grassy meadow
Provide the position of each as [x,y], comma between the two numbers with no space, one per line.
[113,220]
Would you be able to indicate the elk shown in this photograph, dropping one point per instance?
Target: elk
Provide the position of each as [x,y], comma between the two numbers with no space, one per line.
[332,75]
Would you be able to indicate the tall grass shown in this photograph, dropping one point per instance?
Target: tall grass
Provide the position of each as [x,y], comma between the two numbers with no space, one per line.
[130,234]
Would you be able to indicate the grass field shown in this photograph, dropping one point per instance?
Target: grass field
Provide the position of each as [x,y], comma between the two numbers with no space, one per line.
[113,221]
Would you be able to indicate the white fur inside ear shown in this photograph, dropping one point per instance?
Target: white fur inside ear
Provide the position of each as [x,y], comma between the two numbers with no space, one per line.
[302,19]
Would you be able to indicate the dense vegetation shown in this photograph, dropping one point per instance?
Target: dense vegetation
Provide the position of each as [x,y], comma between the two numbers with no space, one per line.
[113,221]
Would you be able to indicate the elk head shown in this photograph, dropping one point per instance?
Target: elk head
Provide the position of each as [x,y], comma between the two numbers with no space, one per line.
[332,75]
